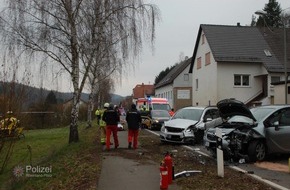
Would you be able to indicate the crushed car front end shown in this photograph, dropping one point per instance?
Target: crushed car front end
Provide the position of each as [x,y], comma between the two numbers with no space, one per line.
[178,131]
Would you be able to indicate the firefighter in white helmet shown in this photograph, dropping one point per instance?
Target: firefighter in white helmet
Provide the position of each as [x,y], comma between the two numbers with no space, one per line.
[102,123]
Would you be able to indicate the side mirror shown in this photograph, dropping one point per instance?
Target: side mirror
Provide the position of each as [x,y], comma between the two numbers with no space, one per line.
[207,119]
[276,125]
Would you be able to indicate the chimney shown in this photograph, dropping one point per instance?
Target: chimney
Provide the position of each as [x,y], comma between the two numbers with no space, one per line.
[238,24]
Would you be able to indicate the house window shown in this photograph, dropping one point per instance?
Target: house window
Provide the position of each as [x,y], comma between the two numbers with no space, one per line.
[267,53]
[198,63]
[275,79]
[242,80]
[196,84]
[186,77]
[207,58]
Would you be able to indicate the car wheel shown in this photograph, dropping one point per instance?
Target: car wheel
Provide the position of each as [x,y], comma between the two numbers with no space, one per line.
[199,136]
[144,126]
[191,143]
[257,151]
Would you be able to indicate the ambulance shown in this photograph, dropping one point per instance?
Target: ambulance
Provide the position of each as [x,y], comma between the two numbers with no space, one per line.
[154,103]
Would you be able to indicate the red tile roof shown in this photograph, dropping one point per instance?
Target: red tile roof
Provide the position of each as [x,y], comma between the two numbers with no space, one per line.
[142,90]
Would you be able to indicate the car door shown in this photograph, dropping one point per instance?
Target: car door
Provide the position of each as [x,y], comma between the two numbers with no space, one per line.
[277,134]
[209,115]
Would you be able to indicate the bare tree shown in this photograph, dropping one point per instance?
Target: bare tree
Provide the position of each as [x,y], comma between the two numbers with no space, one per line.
[109,20]
[62,31]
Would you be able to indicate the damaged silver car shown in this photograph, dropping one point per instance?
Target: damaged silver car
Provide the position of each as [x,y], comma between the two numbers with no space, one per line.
[187,125]
[250,134]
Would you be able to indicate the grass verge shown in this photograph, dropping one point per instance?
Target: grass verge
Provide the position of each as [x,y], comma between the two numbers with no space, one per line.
[63,165]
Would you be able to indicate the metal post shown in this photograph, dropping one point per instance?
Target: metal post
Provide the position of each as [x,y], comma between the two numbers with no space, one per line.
[220,154]
[285,62]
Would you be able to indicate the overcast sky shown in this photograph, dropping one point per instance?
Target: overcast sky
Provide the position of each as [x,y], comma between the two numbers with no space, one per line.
[177,31]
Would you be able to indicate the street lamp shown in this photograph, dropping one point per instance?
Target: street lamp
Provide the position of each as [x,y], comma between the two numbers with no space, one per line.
[262,14]
[284,16]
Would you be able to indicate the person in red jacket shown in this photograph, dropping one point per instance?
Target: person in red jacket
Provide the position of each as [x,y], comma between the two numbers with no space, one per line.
[112,118]
[133,118]
[171,112]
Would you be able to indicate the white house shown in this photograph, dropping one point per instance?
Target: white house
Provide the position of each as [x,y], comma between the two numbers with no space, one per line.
[279,91]
[236,62]
[176,86]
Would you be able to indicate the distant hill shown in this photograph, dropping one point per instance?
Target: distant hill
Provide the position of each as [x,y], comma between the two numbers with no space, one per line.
[37,94]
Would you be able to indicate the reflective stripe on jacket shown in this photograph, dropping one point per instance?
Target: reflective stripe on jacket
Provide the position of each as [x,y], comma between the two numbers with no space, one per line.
[133,118]
[102,122]
[111,117]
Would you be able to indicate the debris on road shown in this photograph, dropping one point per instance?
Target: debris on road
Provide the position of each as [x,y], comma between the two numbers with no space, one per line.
[186,173]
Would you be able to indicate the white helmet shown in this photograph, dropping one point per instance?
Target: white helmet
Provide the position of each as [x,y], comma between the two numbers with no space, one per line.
[106,105]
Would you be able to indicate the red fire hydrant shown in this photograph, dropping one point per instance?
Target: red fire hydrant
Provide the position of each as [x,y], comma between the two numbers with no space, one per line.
[163,176]
[169,164]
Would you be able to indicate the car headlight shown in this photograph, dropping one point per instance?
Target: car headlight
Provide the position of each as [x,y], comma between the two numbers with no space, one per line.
[191,128]
[162,128]
[188,130]
[156,121]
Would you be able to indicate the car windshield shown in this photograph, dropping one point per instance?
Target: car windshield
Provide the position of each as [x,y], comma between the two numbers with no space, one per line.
[191,114]
[159,113]
[160,106]
[260,113]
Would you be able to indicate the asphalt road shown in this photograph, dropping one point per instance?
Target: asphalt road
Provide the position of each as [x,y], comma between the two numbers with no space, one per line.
[275,171]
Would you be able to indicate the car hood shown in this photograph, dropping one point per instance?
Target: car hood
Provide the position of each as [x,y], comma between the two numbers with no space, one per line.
[161,118]
[230,107]
[180,123]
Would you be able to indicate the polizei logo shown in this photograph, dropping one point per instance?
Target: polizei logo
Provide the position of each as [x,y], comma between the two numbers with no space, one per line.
[18,171]
[33,171]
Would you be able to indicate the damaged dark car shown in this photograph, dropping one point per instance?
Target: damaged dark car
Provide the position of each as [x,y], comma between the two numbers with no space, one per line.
[251,134]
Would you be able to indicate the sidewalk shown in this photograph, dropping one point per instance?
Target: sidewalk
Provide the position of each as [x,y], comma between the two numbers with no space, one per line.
[129,173]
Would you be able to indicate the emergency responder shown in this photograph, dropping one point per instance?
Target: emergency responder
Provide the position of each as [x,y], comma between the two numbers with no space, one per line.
[102,123]
[133,118]
[171,112]
[98,115]
[112,118]
[116,108]
[9,123]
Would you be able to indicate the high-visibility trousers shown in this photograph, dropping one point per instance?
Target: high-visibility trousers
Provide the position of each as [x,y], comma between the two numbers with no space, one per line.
[103,134]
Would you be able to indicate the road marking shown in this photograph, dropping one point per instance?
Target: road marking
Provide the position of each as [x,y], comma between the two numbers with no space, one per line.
[274,185]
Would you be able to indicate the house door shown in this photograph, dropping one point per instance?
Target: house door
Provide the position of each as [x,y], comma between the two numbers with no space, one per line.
[265,85]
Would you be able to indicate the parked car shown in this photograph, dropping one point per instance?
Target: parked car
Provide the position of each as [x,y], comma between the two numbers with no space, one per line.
[158,117]
[187,125]
[253,133]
